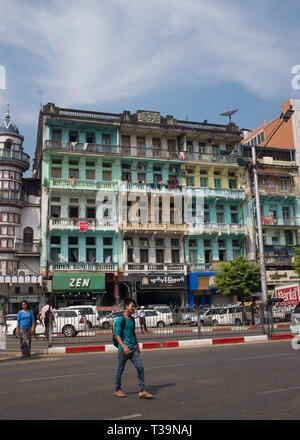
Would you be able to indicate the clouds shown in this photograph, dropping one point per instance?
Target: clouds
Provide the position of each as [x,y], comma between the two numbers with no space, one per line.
[88,52]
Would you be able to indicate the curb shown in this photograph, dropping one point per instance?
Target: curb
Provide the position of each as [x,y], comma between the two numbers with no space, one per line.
[168,344]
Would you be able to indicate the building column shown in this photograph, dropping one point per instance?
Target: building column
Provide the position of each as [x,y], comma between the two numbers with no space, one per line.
[116,290]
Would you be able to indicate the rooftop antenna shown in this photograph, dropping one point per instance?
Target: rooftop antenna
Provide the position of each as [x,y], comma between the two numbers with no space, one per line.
[40,92]
[229,113]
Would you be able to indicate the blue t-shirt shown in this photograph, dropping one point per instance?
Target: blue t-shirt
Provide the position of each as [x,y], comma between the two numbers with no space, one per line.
[25,320]
[128,336]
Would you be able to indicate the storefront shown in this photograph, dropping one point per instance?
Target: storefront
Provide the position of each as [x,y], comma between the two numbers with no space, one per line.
[78,288]
[162,289]
[201,290]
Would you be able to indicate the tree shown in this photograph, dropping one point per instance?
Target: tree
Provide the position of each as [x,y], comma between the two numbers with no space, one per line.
[238,277]
[297,261]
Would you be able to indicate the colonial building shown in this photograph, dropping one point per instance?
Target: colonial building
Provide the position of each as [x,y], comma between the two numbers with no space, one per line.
[278,169]
[116,220]
[19,222]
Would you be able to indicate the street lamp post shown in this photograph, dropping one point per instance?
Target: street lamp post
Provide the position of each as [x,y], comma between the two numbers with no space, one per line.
[285,117]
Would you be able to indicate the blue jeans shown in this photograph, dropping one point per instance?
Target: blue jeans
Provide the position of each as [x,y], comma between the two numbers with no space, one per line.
[136,360]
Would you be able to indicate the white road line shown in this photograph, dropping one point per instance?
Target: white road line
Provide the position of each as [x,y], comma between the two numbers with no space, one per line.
[263,357]
[56,377]
[167,366]
[279,390]
[132,416]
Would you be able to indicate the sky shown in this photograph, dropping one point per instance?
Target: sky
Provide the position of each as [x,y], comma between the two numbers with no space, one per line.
[192,59]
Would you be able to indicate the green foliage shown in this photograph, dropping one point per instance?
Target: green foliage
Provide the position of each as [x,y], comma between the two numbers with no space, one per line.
[296,264]
[46,183]
[238,277]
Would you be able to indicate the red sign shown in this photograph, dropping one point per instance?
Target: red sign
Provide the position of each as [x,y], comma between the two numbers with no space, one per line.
[289,293]
[84,226]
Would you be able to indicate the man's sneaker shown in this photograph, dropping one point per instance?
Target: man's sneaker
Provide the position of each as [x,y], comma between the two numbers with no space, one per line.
[119,394]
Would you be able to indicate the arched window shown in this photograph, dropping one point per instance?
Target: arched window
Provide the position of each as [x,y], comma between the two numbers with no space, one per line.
[8,144]
[28,235]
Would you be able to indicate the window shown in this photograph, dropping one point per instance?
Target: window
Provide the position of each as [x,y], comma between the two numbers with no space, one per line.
[144,242]
[218,183]
[73,173]
[55,239]
[190,181]
[28,235]
[56,173]
[90,212]
[220,217]
[175,255]
[90,138]
[270,182]
[193,256]
[73,212]
[56,161]
[73,136]
[107,241]
[286,215]
[130,255]
[90,241]
[125,141]
[222,255]
[174,242]
[143,255]
[284,185]
[192,243]
[91,255]
[232,183]
[106,139]
[221,243]
[289,240]
[106,176]
[159,255]
[73,240]
[55,211]
[140,141]
[159,242]
[90,174]
[203,182]
[108,255]
[56,134]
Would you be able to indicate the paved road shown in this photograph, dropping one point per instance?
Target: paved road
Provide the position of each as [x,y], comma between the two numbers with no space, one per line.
[247,381]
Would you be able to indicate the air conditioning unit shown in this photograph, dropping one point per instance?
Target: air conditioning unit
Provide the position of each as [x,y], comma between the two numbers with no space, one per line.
[23,272]
[184,173]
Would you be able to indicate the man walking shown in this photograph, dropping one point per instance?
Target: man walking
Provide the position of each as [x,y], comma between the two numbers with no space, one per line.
[128,348]
[47,316]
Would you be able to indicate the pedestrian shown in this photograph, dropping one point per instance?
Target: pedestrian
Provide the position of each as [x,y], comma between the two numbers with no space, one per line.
[25,328]
[128,348]
[142,319]
[2,327]
[47,317]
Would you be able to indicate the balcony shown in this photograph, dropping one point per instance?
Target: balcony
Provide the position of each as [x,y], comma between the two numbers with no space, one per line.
[279,221]
[277,190]
[200,267]
[82,184]
[27,249]
[153,227]
[74,223]
[156,267]
[212,158]
[223,193]
[211,228]
[150,188]
[13,196]
[15,156]
[279,255]
[90,267]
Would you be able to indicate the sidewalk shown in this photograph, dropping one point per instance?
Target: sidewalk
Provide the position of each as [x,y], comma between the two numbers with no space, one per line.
[165,345]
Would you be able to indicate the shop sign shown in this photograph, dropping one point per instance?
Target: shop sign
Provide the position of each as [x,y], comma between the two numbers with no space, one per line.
[289,293]
[84,226]
[78,282]
[163,281]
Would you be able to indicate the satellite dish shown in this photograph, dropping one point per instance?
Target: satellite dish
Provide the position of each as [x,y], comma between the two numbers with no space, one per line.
[229,113]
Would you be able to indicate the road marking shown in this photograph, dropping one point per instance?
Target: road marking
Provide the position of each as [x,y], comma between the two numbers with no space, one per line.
[56,377]
[263,357]
[132,416]
[167,366]
[279,390]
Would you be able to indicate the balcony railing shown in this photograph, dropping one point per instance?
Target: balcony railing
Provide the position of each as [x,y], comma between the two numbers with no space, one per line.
[156,267]
[13,196]
[217,227]
[278,261]
[74,223]
[197,267]
[144,151]
[150,187]
[278,190]
[73,183]
[27,248]
[279,221]
[93,267]
[14,155]
[226,193]
[153,227]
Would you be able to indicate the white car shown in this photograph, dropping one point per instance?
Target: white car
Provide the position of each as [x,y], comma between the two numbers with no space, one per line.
[230,315]
[108,320]
[68,322]
[164,309]
[90,313]
[153,319]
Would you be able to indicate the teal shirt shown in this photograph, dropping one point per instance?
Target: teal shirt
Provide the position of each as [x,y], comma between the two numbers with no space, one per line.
[128,336]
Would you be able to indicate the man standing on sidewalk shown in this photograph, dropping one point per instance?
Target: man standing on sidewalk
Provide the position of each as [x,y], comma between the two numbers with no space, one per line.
[128,349]
[47,316]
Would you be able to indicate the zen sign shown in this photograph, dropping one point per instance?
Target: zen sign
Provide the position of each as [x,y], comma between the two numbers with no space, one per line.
[289,293]
[78,282]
